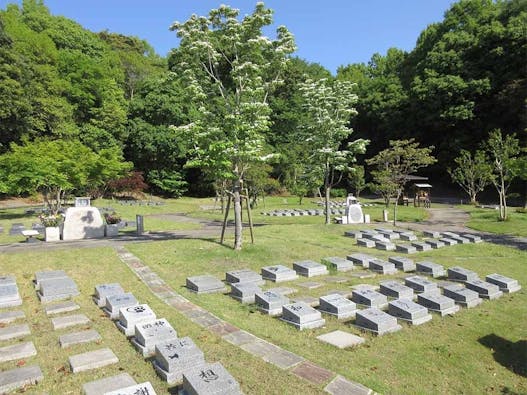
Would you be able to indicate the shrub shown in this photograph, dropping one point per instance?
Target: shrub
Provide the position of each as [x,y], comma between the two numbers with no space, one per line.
[112,218]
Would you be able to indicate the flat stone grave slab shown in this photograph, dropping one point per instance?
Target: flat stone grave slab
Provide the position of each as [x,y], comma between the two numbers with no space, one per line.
[472,238]
[17,351]
[132,315]
[57,289]
[136,389]
[448,241]
[148,334]
[376,321]
[363,275]
[309,300]
[338,306]
[402,263]
[9,316]
[71,339]
[342,292]
[365,286]
[7,280]
[302,316]
[457,273]
[390,235]
[438,303]
[205,284]
[338,263]
[462,296]
[435,244]
[102,386]
[406,248]
[353,233]
[395,289]
[310,285]
[484,289]
[366,243]
[506,284]
[341,386]
[244,292]
[456,237]
[16,229]
[63,307]
[382,267]
[116,302]
[310,268]
[360,259]
[69,320]
[48,275]
[210,379]
[278,273]
[9,296]
[14,331]
[17,378]
[409,311]
[104,290]
[270,302]
[421,284]
[243,276]
[341,339]
[175,356]
[337,279]
[430,269]
[421,246]
[431,233]
[370,298]
[283,290]
[373,236]
[408,236]
[92,360]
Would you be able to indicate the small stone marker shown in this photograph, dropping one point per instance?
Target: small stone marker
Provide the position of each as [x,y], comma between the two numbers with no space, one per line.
[395,289]
[175,356]
[48,275]
[205,284]
[438,303]
[244,292]
[430,268]
[210,379]
[132,315]
[62,307]
[402,263]
[457,273]
[9,296]
[366,243]
[435,244]
[92,360]
[506,284]
[456,237]
[57,289]
[376,321]
[270,303]
[337,305]
[390,235]
[283,290]
[9,316]
[115,302]
[7,280]
[484,289]
[19,378]
[370,298]
[382,267]
[421,284]
[136,389]
[302,316]
[310,268]
[338,263]
[431,233]
[243,276]
[148,334]
[384,245]
[448,241]
[17,351]
[353,233]
[472,238]
[69,320]
[87,336]
[341,339]
[100,387]
[104,290]
[462,296]
[309,300]
[360,259]
[406,248]
[409,311]
[278,273]
[421,246]
[408,236]
[14,331]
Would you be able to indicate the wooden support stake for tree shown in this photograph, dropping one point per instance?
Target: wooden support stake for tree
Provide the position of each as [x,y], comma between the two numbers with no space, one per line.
[227,209]
[249,215]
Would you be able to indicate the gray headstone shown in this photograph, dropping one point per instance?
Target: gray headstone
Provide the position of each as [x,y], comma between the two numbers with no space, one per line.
[360,259]
[136,389]
[69,320]
[353,233]
[484,289]
[384,245]
[131,315]
[278,273]
[406,248]
[270,303]
[244,292]
[148,334]
[430,269]
[48,275]
[175,356]
[421,284]
[62,307]
[104,290]
[17,351]
[402,263]
[456,237]
[102,386]
[462,296]
[421,246]
[205,284]
[13,379]
[14,331]
[87,336]
[92,360]
[337,305]
[448,241]
[9,316]
[432,233]
[302,316]
[472,238]
[57,289]
[438,303]
[376,321]
[210,379]
[505,284]
[9,296]
[243,276]
[370,298]
[338,263]
[390,235]
[408,236]
[382,267]
[310,268]
[395,289]
[366,243]
[341,339]
[457,273]
[435,244]
[7,280]
[115,302]
[409,311]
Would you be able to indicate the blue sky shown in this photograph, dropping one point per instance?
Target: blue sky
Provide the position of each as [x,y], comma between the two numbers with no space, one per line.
[331,32]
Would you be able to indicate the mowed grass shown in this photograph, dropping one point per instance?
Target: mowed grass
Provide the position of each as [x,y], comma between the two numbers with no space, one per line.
[476,351]
[92,266]
[486,220]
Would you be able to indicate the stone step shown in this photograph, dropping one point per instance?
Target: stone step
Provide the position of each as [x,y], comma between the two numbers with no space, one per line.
[19,378]
[102,386]
[17,351]
[92,360]
[69,320]
[70,339]
[14,331]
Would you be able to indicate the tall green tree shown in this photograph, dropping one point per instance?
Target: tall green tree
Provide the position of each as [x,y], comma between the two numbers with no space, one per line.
[230,68]
[472,174]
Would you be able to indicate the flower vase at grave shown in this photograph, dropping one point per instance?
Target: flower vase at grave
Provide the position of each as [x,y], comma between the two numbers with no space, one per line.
[111,230]
[52,233]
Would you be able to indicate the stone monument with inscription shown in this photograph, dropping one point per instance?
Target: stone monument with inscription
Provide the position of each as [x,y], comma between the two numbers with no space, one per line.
[354,213]
[82,221]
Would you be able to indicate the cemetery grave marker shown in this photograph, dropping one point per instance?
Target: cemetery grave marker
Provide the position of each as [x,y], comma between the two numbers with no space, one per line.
[438,303]
[506,284]
[457,273]
[92,360]
[385,245]
[244,292]
[472,238]
[22,377]
[435,244]
[243,276]
[175,356]
[14,331]
[448,241]
[462,296]
[270,303]
[115,302]
[136,389]
[100,387]
[370,298]
[421,246]
[406,248]
[210,379]
[484,289]
[354,234]
[302,316]
[408,236]
[148,334]
[366,243]
[337,305]
[338,263]
[431,233]
[382,267]
[104,290]
[402,263]
[310,268]
[341,339]
[205,284]
[360,259]
[86,336]
[376,321]
[7,317]
[62,307]
[9,296]
[421,284]
[430,268]
[409,311]
[278,273]
[17,351]
[57,289]
[395,289]
[69,320]
[7,280]
[131,315]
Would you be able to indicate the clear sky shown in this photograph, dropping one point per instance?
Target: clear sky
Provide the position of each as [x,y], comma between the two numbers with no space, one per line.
[331,32]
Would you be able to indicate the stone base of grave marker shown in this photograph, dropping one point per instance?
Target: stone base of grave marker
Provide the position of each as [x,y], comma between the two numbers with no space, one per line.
[402,263]
[484,289]
[13,379]
[278,273]
[506,284]
[210,379]
[148,334]
[310,268]
[173,357]
[338,306]
[462,296]
[409,311]
[302,316]
[205,284]
[100,387]
[376,321]
[438,303]
[244,292]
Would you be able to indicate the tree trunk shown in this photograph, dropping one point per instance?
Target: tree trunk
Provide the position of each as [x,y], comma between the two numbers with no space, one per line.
[395,209]
[328,217]
[473,198]
[237,214]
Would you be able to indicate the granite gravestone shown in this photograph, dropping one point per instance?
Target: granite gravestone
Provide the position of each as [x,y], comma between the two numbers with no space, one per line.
[244,292]
[102,291]
[338,306]
[457,273]
[338,263]
[57,289]
[448,241]
[409,311]
[174,356]
[270,302]
[148,334]
[431,233]
[210,379]
[438,303]
[384,245]
[116,302]
[461,295]
[395,289]
[506,284]
[406,248]
[9,296]
[302,316]
[376,321]
[369,297]
[136,389]
[430,269]
[243,276]
[360,259]
[408,236]
[435,244]
[472,238]
[310,268]
[402,263]
[421,284]
[421,246]
[205,284]
[484,289]
[82,223]
[366,243]
[278,273]
[388,234]
[131,315]
[382,267]
[48,275]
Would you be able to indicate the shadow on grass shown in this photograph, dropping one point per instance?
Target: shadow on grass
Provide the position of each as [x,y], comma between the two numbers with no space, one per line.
[6,216]
[511,355]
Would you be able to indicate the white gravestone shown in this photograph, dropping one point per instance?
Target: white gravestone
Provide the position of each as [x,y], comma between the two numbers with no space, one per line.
[353,212]
[148,334]
[132,315]
[82,223]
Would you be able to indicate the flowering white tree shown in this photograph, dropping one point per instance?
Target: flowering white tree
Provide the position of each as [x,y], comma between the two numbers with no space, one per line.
[229,67]
[329,107]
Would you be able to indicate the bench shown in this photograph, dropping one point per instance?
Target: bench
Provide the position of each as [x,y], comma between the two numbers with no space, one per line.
[29,235]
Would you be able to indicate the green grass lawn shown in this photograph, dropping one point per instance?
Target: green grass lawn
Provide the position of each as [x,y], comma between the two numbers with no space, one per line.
[486,220]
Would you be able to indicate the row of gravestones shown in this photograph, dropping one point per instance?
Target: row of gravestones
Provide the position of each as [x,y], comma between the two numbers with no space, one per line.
[382,239]
[140,203]
[299,212]
[19,228]
[176,360]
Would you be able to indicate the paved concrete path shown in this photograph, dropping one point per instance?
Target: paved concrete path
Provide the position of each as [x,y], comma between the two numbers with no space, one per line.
[257,347]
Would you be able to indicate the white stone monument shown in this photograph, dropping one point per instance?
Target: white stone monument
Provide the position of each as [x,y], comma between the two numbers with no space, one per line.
[82,221]
[354,213]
